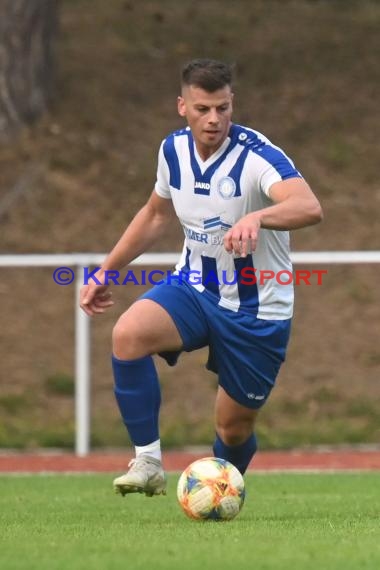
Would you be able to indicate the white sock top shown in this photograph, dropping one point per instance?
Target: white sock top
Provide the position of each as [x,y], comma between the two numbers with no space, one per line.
[152,449]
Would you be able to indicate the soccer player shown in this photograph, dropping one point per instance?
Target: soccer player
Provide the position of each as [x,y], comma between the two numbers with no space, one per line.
[236,196]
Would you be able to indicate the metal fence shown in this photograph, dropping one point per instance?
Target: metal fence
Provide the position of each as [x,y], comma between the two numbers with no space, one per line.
[80,261]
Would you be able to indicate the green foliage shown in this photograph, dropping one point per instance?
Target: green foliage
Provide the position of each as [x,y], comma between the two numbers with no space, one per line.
[339,153]
[61,437]
[13,403]
[60,384]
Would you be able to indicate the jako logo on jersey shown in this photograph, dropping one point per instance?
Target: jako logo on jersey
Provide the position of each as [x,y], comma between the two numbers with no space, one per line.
[202,185]
[226,187]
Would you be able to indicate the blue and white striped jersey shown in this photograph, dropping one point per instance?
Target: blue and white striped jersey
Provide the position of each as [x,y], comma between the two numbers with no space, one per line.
[211,196]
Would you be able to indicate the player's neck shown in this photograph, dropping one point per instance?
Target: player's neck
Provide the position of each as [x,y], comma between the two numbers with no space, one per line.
[205,151]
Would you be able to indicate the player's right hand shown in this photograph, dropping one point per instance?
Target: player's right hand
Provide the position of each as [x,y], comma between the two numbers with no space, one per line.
[95,299]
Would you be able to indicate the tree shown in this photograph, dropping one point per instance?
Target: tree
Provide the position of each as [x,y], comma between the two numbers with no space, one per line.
[27,33]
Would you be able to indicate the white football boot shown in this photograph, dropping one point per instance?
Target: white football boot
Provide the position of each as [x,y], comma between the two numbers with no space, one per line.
[145,475]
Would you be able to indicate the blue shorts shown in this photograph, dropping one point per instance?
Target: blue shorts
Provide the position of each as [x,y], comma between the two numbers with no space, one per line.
[245,352]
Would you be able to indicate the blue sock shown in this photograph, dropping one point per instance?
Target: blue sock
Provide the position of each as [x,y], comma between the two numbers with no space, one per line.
[238,455]
[138,395]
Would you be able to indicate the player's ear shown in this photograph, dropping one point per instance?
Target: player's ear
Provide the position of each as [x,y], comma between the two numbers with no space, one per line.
[181,106]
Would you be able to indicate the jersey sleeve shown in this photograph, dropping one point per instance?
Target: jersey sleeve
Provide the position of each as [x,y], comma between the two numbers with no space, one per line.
[275,166]
[162,182]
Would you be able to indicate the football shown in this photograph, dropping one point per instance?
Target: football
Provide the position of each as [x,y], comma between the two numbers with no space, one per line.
[211,489]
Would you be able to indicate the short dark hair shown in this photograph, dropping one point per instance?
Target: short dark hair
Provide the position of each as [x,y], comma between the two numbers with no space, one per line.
[208,74]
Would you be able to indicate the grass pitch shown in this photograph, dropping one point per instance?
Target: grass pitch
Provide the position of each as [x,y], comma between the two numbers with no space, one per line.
[289,521]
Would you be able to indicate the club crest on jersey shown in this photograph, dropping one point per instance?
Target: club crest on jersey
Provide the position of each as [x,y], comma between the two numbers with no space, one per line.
[226,187]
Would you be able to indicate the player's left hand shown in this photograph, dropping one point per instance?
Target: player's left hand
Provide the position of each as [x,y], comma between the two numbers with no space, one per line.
[241,239]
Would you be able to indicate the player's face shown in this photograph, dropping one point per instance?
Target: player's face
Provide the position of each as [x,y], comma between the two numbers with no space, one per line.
[208,116]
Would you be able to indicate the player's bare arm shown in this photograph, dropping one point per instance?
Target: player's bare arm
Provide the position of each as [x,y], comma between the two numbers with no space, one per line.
[295,206]
[147,226]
